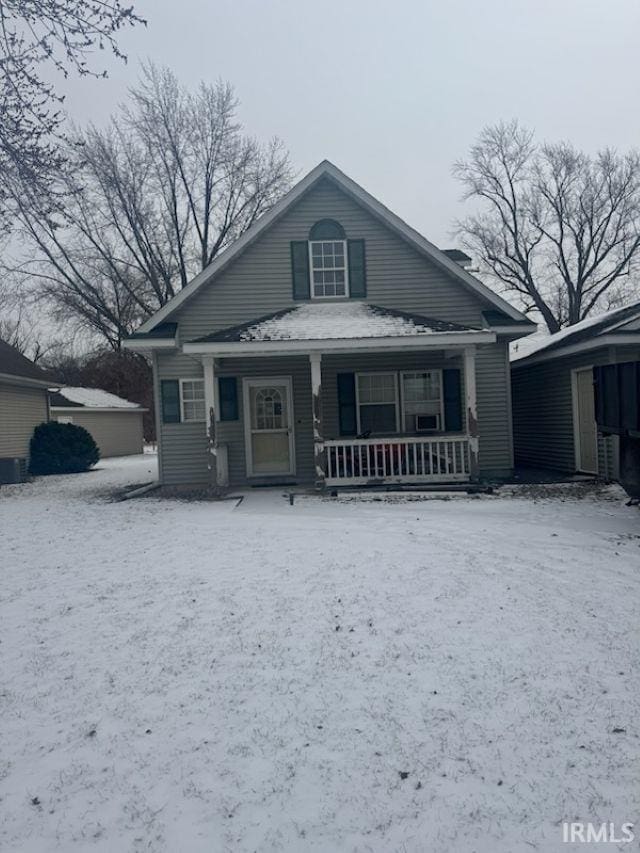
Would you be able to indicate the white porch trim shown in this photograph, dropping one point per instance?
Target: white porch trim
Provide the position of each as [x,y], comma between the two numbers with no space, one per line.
[471,408]
[149,344]
[417,459]
[217,461]
[315,363]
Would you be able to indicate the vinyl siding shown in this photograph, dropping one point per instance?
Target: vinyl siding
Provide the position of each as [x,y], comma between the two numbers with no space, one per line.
[184,446]
[115,433]
[258,282]
[21,410]
[543,410]
[494,410]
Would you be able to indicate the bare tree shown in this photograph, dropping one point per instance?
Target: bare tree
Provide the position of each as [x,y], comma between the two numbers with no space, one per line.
[150,202]
[123,373]
[19,329]
[36,37]
[555,226]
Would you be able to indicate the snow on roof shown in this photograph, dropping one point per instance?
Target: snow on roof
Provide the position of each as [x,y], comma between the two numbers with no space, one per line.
[542,340]
[94,398]
[334,321]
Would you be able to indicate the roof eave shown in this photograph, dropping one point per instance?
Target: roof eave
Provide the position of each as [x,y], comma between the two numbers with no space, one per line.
[514,332]
[437,340]
[149,344]
[597,342]
[13,379]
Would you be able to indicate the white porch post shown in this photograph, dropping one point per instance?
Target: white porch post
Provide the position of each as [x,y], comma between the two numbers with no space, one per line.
[471,408]
[315,360]
[210,409]
[217,454]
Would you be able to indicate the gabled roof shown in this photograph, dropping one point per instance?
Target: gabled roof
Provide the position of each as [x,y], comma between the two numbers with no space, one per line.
[327,170]
[90,398]
[588,334]
[14,364]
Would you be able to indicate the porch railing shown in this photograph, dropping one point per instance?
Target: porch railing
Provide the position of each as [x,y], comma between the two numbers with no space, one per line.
[358,461]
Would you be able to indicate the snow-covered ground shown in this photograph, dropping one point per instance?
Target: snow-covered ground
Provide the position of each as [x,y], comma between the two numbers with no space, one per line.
[329,676]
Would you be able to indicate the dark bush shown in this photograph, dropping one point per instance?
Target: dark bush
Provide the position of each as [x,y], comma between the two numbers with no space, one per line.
[62,449]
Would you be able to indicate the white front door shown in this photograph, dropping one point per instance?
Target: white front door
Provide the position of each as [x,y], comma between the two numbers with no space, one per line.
[585,426]
[268,426]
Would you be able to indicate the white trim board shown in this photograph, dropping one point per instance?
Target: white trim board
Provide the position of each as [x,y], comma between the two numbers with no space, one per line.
[150,344]
[325,169]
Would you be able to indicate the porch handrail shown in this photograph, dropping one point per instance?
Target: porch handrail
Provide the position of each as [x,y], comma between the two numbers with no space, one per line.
[405,459]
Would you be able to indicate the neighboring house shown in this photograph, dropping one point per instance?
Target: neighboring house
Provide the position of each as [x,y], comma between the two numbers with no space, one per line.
[114,423]
[554,405]
[332,343]
[23,405]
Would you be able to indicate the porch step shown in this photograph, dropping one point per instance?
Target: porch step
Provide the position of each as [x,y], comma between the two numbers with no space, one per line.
[428,488]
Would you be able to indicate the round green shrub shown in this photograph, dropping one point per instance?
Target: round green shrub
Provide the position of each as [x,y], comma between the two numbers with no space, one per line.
[62,449]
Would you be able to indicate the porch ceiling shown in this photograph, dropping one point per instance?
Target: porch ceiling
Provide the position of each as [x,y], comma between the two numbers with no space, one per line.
[338,326]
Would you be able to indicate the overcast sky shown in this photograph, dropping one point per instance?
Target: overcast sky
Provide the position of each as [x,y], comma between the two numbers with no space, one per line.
[394,92]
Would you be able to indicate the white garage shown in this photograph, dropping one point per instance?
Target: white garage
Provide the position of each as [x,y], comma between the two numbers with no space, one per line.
[114,423]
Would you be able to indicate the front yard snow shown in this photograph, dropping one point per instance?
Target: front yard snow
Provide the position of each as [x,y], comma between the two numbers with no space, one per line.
[328,676]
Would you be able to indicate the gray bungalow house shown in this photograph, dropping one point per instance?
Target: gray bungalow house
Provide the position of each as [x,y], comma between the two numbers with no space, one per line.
[332,344]
[554,394]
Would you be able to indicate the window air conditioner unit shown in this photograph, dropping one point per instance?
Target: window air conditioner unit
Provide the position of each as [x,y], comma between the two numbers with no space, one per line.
[427,423]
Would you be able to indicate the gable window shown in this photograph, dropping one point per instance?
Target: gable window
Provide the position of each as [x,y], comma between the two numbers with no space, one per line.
[377,403]
[328,260]
[192,405]
[422,404]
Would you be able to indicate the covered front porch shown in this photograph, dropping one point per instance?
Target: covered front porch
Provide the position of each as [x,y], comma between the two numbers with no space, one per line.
[397,405]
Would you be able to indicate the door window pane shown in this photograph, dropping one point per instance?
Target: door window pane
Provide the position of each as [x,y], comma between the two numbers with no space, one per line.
[269,411]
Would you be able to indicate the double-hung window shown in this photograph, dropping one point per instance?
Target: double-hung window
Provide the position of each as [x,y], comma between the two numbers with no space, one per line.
[192,406]
[377,403]
[422,404]
[328,264]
